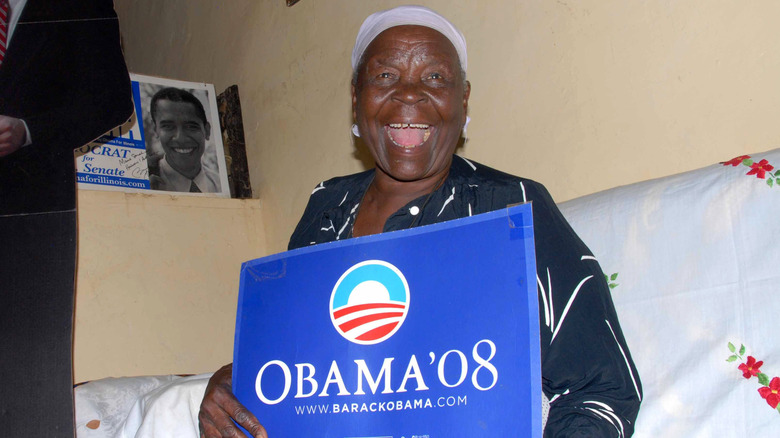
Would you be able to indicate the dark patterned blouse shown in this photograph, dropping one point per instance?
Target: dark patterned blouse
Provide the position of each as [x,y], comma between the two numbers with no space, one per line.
[587,372]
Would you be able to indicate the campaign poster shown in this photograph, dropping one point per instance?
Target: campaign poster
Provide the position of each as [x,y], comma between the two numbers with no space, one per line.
[171,144]
[431,332]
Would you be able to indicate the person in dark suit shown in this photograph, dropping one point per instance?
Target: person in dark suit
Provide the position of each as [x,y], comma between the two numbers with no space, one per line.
[63,74]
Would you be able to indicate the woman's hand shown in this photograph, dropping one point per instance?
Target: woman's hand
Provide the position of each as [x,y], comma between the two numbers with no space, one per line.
[220,408]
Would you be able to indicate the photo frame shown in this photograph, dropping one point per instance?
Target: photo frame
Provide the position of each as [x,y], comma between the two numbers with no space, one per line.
[178,152]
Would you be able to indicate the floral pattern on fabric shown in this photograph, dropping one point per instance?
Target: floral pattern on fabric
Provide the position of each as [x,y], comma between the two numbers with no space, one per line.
[611,280]
[751,368]
[769,390]
[760,169]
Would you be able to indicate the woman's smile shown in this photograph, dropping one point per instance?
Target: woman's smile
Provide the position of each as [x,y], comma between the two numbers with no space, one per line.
[408,135]
[410,100]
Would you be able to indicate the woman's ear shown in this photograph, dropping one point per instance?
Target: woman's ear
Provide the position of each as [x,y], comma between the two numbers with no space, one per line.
[466,94]
[354,103]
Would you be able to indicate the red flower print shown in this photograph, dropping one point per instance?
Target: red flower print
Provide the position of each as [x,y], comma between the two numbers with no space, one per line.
[751,368]
[736,161]
[771,393]
[759,169]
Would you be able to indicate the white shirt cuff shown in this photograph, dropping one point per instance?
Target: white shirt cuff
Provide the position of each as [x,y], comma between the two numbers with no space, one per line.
[27,137]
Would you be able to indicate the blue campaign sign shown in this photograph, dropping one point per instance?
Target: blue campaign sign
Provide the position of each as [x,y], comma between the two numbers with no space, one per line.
[428,332]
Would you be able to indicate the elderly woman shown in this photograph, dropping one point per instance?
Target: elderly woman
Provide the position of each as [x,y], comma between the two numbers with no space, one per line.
[409,100]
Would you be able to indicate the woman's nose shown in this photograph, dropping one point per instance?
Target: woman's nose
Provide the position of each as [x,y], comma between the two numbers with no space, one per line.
[410,93]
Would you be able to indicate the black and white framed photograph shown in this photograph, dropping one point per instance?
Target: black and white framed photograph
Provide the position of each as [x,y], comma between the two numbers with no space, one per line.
[171,144]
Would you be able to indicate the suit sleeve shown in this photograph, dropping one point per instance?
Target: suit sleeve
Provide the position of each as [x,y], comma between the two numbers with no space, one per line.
[90,93]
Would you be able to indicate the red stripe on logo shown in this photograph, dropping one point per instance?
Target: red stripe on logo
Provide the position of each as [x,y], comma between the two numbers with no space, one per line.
[377,333]
[352,309]
[357,322]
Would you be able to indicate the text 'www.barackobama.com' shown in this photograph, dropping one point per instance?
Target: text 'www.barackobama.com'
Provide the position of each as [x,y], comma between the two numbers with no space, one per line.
[386,406]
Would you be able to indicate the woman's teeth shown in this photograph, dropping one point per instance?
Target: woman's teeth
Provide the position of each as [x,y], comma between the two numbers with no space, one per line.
[408,125]
[408,135]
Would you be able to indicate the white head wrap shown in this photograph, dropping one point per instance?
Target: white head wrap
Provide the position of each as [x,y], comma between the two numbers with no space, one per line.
[407,15]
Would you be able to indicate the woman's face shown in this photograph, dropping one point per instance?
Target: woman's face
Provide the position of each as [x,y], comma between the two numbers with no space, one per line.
[410,102]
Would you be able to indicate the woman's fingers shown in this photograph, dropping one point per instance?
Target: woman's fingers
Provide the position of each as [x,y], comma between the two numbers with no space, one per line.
[220,409]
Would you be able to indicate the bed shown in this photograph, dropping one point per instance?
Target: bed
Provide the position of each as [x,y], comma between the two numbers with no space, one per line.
[693,262]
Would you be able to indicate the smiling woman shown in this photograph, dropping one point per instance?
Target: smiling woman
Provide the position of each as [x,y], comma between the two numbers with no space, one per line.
[409,101]
[409,89]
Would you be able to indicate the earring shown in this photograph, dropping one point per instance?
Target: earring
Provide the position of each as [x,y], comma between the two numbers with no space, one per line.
[465,125]
[355,131]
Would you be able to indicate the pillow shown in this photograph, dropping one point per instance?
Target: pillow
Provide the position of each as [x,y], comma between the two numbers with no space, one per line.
[102,405]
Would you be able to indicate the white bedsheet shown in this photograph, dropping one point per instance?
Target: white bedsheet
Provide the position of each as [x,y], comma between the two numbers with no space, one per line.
[697,258]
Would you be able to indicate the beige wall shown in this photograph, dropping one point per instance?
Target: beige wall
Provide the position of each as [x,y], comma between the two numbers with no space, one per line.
[581,96]
[158,281]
